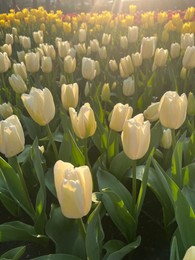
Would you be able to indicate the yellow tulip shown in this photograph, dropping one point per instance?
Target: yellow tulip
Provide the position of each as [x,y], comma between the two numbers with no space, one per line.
[69,95]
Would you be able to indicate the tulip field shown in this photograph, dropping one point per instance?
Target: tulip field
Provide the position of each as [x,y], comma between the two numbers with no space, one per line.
[97,135]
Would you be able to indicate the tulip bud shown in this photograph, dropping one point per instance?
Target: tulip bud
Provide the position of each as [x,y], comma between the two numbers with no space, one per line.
[160,58]
[128,87]
[136,59]
[32,62]
[63,48]
[126,67]
[20,69]
[11,136]
[136,137]
[189,58]
[133,32]
[191,104]
[123,42]
[69,95]
[183,73]
[88,68]
[105,95]
[17,83]
[81,49]
[5,63]
[175,50]
[40,105]
[113,65]
[88,51]
[21,56]
[72,53]
[69,64]
[151,113]
[187,39]
[190,253]
[57,39]
[38,37]
[9,39]
[48,50]
[6,110]
[46,64]
[25,42]
[87,88]
[166,140]
[172,109]
[148,47]
[94,44]
[106,38]
[14,31]
[97,67]
[7,48]
[84,124]
[82,35]
[102,53]
[120,114]
[73,188]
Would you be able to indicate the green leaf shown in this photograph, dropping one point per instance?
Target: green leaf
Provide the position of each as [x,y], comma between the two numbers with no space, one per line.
[77,156]
[15,253]
[113,144]
[66,234]
[33,129]
[16,188]
[189,149]
[49,181]
[8,202]
[189,176]
[57,257]
[174,255]
[189,194]
[94,235]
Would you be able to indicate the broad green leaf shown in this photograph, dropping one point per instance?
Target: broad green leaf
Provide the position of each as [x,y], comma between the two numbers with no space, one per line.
[16,187]
[189,194]
[94,235]
[33,129]
[49,181]
[113,144]
[78,158]
[57,257]
[14,254]
[189,176]
[174,255]
[189,149]
[9,203]
[67,234]
[112,246]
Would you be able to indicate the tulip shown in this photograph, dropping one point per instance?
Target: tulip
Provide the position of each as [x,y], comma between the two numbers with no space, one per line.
[38,37]
[81,49]
[88,51]
[72,53]
[189,58]
[5,63]
[69,95]
[172,109]
[69,64]
[126,67]
[102,53]
[7,48]
[46,64]
[148,47]
[136,137]
[63,49]
[97,67]
[74,189]
[187,39]
[94,44]
[128,87]
[190,253]
[160,58]
[9,39]
[20,69]
[11,136]
[151,113]
[175,50]
[88,68]
[191,104]
[166,140]
[123,42]
[17,83]
[105,95]
[6,110]
[84,124]
[14,31]
[48,50]
[113,65]
[25,42]
[106,38]
[21,56]
[133,32]
[120,114]
[32,62]
[88,86]
[40,105]
[57,39]
[82,35]
[183,73]
[136,59]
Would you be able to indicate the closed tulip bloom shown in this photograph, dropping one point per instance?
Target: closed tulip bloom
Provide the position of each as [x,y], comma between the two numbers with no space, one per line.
[6,110]
[166,140]
[189,58]
[74,189]
[190,254]
[123,42]
[102,53]
[183,73]
[97,67]
[175,50]
[48,50]
[126,67]
[151,113]
[160,58]
[105,95]
[69,95]
[82,35]
[46,64]
[133,32]
[136,59]
[106,38]
[88,51]
[5,63]
[11,136]
[88,68]
[69,64]
[7,48]
[14,31]
[84,124]
[88,86]
[187,39]
[20,69]
[32,62]
[191,104]
[128,87]
[72,53]
[17,83]
[38,37]
[120,114]
[136,137]
[21,56]
[63,49]
[172,109]
[25,42]
[80,49]
[9,39]
[148,47]
[113,65]
[40,105]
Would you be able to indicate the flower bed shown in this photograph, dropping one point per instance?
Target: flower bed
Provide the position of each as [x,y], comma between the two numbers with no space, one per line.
[97,135]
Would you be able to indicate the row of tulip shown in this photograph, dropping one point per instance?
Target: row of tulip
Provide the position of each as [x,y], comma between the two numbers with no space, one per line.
[81,115]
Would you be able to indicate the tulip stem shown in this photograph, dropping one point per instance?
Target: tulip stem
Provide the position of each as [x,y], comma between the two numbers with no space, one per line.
[82,227]
[86,152]
[134,191]
[173,139]
[52,141]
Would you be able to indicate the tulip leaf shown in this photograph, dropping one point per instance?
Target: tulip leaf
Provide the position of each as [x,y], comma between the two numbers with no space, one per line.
[113,144]
[10,204]
[57,257]
[119,253]
[33,129]
[189,149]
[78,158]
[174,255]
[94,235]
[14,254]
[189,176]
[66,234]
[16,187]
[49,181]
